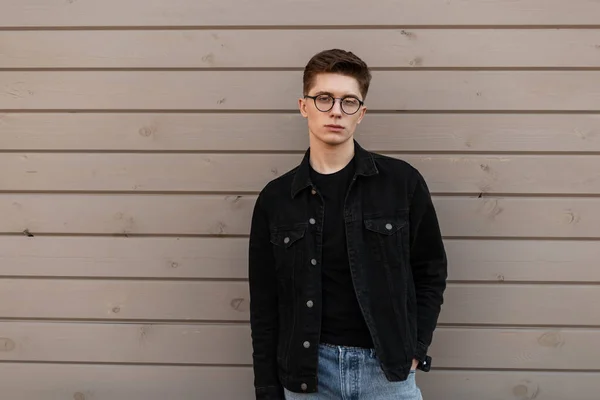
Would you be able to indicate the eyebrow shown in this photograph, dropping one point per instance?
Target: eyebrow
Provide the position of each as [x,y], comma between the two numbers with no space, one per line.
[331,94]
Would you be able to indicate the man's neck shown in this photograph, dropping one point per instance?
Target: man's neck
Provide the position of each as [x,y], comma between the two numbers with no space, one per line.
[327,159]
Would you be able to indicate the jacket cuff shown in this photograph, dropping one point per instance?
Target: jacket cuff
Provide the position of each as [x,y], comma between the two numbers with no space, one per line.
[269,393]
[422,357]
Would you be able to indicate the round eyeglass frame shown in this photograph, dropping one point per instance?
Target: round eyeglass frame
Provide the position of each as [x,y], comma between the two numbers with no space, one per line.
[314,98]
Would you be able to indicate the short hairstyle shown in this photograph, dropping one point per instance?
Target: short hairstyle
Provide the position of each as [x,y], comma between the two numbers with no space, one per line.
[339,62]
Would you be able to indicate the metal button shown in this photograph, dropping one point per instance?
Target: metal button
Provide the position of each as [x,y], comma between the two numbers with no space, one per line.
[312,221]
[313,191]
[313,261]
[310,304]
[306,345]
[388,227]
[286,240]
[304,386]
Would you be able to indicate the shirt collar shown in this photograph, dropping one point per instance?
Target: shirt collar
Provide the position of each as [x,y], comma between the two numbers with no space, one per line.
[365,166]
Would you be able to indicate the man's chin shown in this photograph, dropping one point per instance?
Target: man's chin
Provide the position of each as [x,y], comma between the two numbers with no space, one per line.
[334,139]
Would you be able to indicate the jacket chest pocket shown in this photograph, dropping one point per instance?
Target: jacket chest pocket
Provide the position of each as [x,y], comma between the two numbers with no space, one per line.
[385,239]
[288,244]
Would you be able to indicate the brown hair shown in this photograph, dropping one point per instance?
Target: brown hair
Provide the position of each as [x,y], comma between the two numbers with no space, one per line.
[340,62]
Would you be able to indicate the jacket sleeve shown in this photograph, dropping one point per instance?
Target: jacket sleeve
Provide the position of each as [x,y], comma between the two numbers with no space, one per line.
[263,308]
[429,265]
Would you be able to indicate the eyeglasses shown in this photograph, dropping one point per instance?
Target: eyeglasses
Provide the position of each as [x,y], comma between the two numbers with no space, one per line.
[324,102]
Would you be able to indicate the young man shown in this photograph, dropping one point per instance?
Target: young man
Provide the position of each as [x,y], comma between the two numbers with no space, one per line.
[347,267]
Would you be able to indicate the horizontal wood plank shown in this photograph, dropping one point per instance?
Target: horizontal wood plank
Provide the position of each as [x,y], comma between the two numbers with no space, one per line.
[280,90]
[237,48]
[124,382]
[250,172]
[227,215]
[126,343]
[524,304]
[523,261]
[107,299]
[29,13]
[503,385]
[455,348]
[176,214]
[120,382]
[524,217]
[283,132]
[147,257]
[226,258]
[521,304]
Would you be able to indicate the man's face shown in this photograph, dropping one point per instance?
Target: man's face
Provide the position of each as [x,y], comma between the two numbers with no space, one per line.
[335,126]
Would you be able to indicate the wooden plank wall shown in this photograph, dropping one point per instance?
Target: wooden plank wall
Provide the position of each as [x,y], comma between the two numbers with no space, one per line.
[134,136]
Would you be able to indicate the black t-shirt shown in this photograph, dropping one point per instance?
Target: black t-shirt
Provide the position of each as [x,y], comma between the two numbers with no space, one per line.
[342,321]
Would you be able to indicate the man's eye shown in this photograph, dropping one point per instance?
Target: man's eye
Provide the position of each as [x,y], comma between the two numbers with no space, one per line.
[323,98]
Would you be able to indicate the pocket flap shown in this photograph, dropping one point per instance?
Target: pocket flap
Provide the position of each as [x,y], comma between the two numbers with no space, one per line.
[288,236]
[385,225]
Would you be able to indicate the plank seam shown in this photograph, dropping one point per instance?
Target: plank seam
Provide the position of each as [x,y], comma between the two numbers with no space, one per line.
[273,27]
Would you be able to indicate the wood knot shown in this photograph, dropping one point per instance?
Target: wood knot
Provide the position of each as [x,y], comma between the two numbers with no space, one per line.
[551,339]
[143,333]
[492,208]
[583,135]
[234,201]
[526,390]
[79,396]
[116,310]
[7,344]
[416,62]
[209,59]
[147,131]
[237,304]
[571,218]
[174,265]
[220,228]
[408,34]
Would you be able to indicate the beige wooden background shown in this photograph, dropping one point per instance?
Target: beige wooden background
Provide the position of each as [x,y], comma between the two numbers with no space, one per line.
[135,134]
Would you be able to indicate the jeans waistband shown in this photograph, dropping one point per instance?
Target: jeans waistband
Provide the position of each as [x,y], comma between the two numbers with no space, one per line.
[348,349]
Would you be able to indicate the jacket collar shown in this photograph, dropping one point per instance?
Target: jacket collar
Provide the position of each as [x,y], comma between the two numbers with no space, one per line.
[365,166]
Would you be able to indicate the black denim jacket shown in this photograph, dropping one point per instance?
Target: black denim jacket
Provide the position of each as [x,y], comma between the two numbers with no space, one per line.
[397,262]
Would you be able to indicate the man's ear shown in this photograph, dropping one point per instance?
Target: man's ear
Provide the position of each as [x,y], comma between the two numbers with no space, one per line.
[363,111]
[302,107]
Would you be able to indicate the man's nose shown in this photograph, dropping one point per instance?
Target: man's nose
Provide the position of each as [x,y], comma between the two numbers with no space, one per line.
[337,107]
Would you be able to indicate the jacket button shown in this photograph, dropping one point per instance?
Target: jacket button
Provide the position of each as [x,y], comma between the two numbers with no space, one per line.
[306,345]
[313,261]
[312,221]
[388,227]
[304,386]
[286,240]
[309,304]
[313,191]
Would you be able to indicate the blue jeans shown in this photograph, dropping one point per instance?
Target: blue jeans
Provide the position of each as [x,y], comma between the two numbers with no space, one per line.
[348,373]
